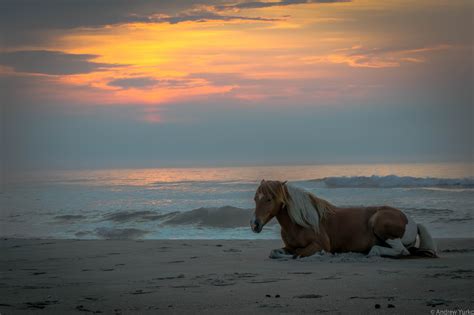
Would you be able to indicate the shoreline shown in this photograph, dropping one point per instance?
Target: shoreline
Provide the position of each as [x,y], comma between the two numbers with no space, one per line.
[216,276]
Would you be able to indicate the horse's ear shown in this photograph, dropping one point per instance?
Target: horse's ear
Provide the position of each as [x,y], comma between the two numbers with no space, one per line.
[263,181]
[283,183]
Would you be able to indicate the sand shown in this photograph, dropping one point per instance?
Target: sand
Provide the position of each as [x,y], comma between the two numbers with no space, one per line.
[189,276]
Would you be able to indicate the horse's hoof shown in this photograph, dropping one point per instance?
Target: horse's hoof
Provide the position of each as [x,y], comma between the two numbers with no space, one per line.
[274,254]
[279,253]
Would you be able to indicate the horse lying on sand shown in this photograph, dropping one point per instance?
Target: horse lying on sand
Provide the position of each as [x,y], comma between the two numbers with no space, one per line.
[310,224]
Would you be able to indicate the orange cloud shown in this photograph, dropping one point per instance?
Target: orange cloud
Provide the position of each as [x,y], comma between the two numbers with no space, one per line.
[274,51]
[359,57]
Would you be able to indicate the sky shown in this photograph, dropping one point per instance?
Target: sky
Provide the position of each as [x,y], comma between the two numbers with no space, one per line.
[107,84]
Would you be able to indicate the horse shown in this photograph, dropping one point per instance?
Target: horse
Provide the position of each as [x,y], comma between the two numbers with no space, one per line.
[310,224]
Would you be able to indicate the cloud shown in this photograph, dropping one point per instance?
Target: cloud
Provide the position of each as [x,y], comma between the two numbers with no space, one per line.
[128,83]
[35,22]
[203,16]
[51,62]
[21,16]
[72,14]
[150,82]
[266,4]
[361,57]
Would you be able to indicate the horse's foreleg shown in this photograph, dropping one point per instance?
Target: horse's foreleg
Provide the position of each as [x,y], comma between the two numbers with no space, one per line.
[396,249]
[309,250]
[281,253]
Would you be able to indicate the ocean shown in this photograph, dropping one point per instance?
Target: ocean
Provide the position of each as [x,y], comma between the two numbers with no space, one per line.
[216,203]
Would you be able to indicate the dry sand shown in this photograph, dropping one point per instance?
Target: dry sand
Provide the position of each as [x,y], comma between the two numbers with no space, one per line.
[187,276]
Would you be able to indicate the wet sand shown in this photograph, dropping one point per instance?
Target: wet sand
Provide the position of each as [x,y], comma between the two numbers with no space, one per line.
[189,276]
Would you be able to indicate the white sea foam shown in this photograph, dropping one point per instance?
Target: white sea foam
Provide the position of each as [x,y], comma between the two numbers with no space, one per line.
[393,181]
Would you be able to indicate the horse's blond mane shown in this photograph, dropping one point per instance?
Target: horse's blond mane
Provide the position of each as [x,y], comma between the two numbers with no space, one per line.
[304,208]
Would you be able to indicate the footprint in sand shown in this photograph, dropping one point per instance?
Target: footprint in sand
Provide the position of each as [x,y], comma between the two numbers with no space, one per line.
[383,272]
[390,298]
[35,287]
[83,309]
[330,278]
[308,296]
[437,302]
[454,274]
[232,250]
[140,291]
[180,276]
[40,304]
[270,280]
[185,286]
[220,282]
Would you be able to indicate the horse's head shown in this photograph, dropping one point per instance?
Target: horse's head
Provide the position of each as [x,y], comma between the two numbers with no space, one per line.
[269,198]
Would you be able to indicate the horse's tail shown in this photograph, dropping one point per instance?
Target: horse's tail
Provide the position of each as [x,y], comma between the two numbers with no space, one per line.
[427,245]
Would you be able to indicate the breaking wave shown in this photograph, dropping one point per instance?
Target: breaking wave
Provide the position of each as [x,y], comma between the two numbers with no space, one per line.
[393,181]
[223,217]
[220,217]
[127,216]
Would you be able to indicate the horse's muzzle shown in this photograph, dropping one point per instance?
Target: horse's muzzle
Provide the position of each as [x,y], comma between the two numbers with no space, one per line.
[256,225]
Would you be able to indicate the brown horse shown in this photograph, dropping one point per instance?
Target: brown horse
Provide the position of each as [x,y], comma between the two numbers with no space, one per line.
[310,224]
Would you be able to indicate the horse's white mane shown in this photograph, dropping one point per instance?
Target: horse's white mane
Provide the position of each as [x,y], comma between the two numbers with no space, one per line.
[302,209]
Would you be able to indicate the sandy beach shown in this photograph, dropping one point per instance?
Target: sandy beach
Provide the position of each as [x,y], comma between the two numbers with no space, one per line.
[190,276]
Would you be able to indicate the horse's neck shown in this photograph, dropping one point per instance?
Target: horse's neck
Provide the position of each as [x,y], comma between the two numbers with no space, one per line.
[284,219]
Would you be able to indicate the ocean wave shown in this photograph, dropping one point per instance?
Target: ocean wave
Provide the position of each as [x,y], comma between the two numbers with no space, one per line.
[393,181]
[216,217]
[222,217]
[127,216]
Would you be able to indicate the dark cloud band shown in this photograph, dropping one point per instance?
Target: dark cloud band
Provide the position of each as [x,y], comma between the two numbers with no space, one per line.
[203,15]
[265,4]
[51,62]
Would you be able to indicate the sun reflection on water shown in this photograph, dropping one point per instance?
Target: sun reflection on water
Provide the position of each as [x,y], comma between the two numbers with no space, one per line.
[175,176]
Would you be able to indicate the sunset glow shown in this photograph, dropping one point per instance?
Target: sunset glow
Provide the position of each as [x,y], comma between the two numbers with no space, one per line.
[239,52]
[320,71]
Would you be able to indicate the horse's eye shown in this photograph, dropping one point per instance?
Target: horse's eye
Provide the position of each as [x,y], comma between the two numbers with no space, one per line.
[268,200]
